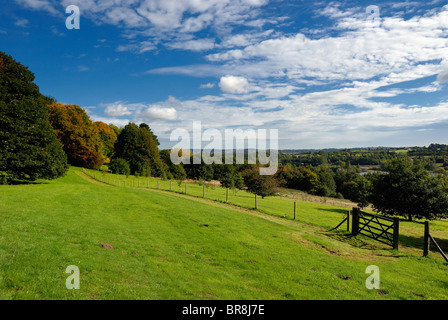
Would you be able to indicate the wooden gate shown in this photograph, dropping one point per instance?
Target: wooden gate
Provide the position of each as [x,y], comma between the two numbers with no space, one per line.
[382,229]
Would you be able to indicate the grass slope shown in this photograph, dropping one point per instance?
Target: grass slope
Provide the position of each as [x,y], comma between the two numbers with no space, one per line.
[171,246]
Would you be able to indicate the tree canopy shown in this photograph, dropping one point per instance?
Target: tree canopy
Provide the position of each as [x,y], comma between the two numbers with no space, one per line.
[108,137]
[79,136]
[29,149]
[139,147]
[407,189]
[262,185]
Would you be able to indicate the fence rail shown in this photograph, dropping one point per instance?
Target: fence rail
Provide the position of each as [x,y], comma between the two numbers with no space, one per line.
[428,238]
[381,229]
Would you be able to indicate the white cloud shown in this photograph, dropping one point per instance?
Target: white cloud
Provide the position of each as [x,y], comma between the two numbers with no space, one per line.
[164,16]
[44,5]
[82,68]
[232,84]
[353,70]
[207,86]
[23,23]
[359,52]
[159,113]
[193,45]
[443,76]
[116,121]
[117,110]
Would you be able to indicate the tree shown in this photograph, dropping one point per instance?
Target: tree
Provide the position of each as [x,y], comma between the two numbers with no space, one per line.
[79,136]
[199,171]
[228,176]
[119,166]
[108,137]
[345,177]
[149,150]
[305,179]
[175,171]
[139,147]
[126,146]
[262,185]
[407,189]
[115,128]
[29,149]
[358,190]
[325,185]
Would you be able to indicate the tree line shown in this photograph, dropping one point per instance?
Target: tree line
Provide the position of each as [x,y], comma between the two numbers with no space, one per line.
[40,138]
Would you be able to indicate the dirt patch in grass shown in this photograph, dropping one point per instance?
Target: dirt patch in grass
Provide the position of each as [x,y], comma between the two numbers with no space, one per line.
[107,246]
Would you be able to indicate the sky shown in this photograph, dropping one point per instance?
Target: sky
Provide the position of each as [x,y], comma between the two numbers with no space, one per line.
[325,74]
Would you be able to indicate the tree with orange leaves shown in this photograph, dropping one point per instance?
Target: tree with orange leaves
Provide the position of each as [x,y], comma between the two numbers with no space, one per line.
[79,136]
[108,137]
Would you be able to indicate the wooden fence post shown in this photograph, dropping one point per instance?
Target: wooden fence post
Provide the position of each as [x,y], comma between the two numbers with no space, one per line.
[396,232]
[295,209]
[348,220]
[256,204]
[426,242]
[355,221]
[185,188]
[158,184]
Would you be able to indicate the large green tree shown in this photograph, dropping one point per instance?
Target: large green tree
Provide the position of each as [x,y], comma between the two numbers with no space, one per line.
[29,149]
[407,189]
[262,185]
[139,147]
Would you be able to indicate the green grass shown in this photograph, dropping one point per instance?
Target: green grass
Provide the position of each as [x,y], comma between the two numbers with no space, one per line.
[173,246]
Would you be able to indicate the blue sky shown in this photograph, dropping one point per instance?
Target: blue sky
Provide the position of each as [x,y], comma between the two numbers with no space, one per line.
[325,74]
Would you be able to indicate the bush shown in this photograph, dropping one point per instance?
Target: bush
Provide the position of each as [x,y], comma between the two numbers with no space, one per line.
[3,178]
[120,166]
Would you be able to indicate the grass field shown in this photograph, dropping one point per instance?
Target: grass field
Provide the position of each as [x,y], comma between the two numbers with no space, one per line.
[173,246]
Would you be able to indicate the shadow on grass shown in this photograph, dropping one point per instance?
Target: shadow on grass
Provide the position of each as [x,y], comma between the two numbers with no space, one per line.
[356,241]
[24,182]
[363,242]
[343,211]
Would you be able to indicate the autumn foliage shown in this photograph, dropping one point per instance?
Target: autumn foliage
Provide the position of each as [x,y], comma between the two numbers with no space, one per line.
[108,138]
[79,136]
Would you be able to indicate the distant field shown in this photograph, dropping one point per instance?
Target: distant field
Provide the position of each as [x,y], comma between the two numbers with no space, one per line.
[401,151]
[163,245]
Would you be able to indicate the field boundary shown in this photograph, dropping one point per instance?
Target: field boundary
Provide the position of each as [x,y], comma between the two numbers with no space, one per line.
[227,204]
[376,227]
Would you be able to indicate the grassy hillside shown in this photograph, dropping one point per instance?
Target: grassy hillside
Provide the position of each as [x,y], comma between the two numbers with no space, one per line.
[172,246]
